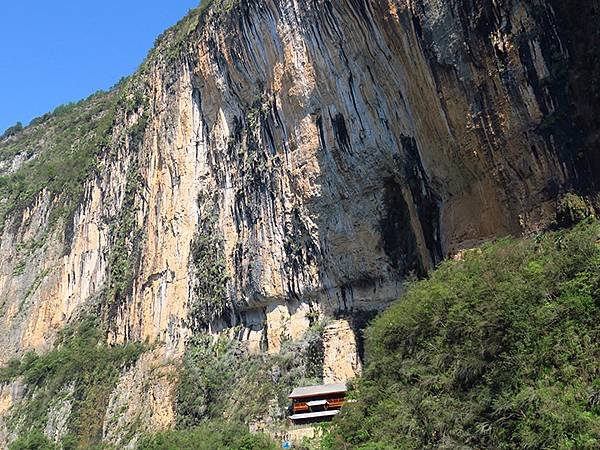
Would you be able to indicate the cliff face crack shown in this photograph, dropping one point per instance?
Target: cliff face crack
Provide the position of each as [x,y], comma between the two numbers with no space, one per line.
[399,241]
[338,122]
[426,202]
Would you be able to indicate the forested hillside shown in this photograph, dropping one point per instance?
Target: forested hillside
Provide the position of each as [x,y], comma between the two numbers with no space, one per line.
[500,349]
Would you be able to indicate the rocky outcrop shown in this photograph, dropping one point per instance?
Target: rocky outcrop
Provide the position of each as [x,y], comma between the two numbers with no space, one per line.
[341,360]
[10,394]
[149,383]
[275,161]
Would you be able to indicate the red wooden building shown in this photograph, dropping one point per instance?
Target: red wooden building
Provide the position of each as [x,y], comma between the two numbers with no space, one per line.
[317,403]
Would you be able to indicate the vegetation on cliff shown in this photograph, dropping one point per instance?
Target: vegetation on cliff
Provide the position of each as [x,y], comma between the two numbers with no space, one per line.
[127,236]
[209,283]
[221,380]
[223,388]
[80,372]
[497,350]
[171,44]
[58,152]
[215,435]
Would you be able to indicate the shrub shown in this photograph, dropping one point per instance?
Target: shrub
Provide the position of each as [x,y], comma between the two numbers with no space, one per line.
[33,441]
[214,435]
[499,350]
[573,209]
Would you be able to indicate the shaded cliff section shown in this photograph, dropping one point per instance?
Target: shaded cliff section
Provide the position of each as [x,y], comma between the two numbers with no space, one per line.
[579,21]
[314,154]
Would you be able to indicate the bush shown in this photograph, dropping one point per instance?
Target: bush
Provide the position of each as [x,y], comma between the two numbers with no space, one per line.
[573,209]
[215,435]
[499,350]
[33,441]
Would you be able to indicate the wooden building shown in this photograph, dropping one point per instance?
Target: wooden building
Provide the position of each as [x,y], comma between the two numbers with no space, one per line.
[316,403]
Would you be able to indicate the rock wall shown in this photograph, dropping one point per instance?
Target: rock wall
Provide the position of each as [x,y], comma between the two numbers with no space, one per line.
[341,360]
[294,159]
[151,383]
[328,180]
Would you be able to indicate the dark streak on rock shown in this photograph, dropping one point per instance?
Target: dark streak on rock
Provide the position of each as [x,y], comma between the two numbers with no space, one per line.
[341,132]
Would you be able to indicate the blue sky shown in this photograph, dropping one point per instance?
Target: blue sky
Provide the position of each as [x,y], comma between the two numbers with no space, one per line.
[54,52]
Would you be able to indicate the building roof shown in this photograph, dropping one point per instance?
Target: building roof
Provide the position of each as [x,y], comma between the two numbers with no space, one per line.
[315,415]
[322,389]
[316,403]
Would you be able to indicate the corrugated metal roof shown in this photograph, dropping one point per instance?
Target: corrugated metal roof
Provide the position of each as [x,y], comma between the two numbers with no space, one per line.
[321,389]
[314,415]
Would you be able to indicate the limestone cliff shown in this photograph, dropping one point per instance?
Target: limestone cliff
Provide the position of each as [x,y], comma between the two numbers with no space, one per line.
[277,161]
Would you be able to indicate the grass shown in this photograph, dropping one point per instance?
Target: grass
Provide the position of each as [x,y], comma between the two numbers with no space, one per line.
[499,350]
